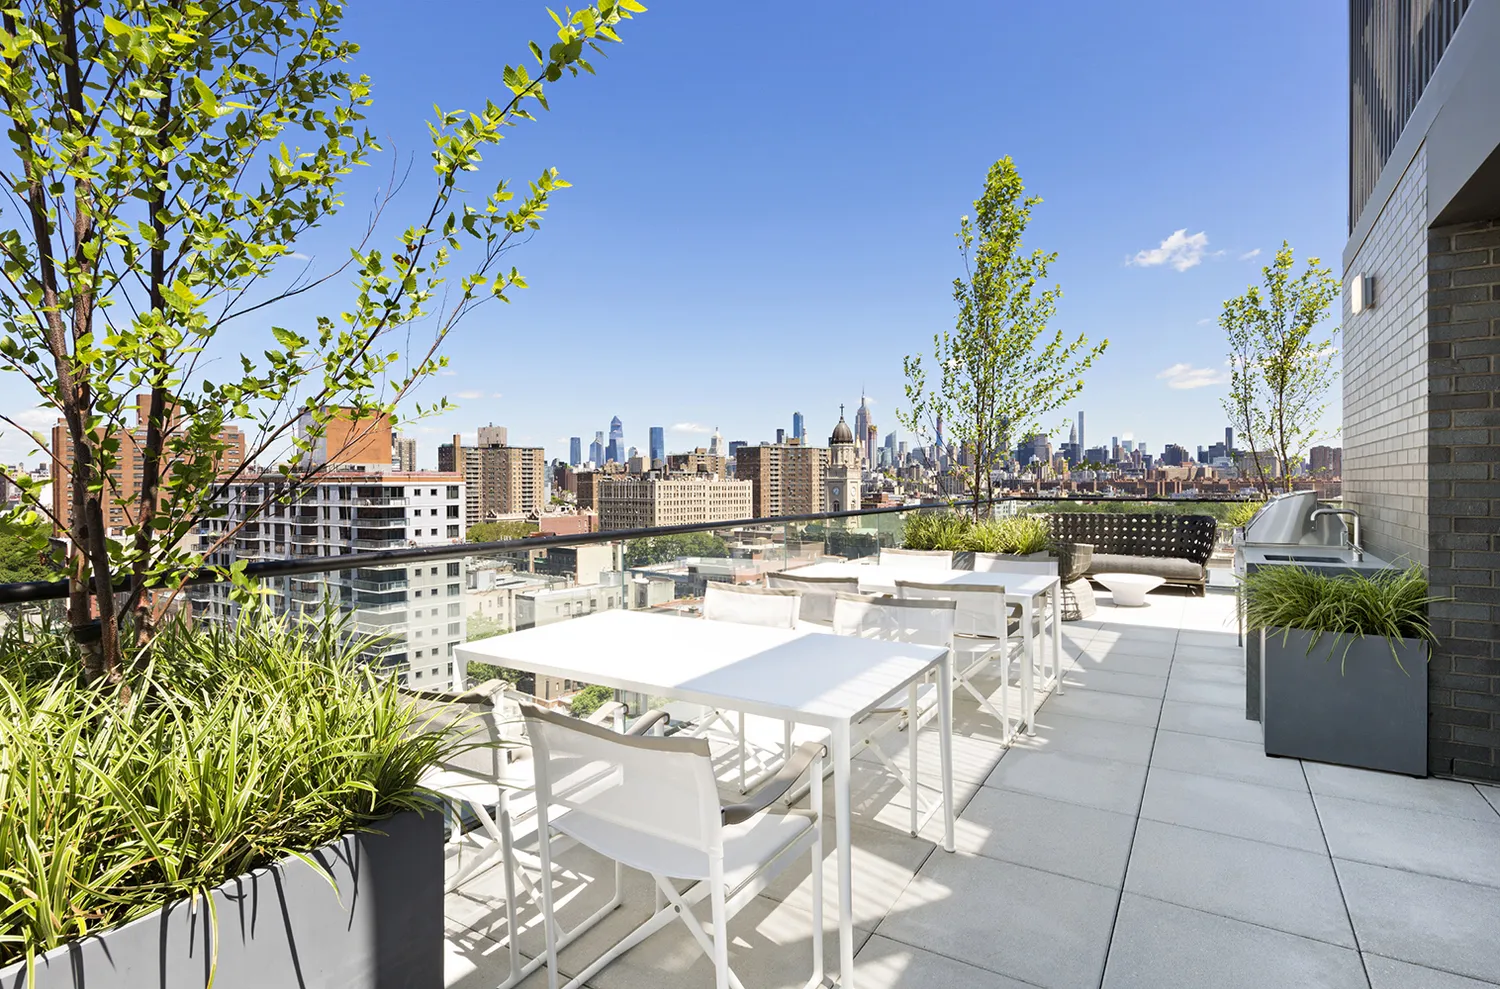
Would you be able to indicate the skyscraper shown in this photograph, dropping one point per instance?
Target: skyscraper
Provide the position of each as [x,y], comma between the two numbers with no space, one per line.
[1082,443]
[575,451]
[799,428]
[1228,441]
[658,444]
[596,448]
[780,437]
[616,449]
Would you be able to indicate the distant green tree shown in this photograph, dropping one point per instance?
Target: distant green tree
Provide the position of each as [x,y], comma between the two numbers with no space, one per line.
[590,699]
[661,549]
[28,557]
[484,627]
[494,532]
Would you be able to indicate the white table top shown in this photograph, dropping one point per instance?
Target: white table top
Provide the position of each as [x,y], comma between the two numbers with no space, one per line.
[1017,585]
[814,677]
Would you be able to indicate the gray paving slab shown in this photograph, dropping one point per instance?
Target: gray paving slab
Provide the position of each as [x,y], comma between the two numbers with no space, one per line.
[1388,973]
[1105,707]
[1246,810]
[1223,655]
[1209,719]
[1402,838]
[1143,626]
[886,964]
[1067,838]
[1184,691]
[884,859]
[1105,649]
[1424,920]
[1115,682]
[1435,796]
[1197,669]
[1164,946]
[1194,637]
[1269,885]
[1156,665]
[1492,795]
[1108,784]
[1036,926]
[1226,757]
[1086,736]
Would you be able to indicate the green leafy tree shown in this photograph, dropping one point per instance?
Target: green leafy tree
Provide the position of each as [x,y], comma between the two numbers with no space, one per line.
[1281,366]
[494,532]
[999,372]
[25,552]
[483,627]
[663,549]
[163,159]
[590,699]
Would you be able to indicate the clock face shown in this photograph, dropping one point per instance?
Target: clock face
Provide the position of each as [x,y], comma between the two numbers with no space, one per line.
[835,490]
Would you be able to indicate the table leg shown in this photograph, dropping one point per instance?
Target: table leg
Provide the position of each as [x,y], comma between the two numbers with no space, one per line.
[841,840]
[1028,660]
[1057,654]
[945,743]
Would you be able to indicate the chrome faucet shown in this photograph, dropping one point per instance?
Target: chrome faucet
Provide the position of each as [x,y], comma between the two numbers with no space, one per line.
[1357,549]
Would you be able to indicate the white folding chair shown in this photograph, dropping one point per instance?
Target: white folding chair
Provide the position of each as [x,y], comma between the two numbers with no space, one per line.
[999,563]
[818,593]
[653,805]
[487,728]
[927,623]
[981,637]
[916,559]
[747,605]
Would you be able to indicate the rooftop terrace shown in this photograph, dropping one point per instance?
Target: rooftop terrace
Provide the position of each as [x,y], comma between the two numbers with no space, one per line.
[1139,839]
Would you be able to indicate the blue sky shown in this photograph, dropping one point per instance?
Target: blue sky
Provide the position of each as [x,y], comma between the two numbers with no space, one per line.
[764,199]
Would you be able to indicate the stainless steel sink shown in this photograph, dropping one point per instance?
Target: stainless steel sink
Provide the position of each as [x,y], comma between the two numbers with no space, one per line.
[1298,558]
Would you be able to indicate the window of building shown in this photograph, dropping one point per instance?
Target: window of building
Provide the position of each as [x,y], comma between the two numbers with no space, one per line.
[419,656]
[416,511]
[417,592]
[418,674]
[453,628]
[452,532]
[453,590]
[434,492]
[453,569]
[453,511]
[433,571]
[453,491]
[455,609]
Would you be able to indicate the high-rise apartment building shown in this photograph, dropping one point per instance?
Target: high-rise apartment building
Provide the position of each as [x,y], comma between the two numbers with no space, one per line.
[658,451]
[799,427]
[615,451]
[780,437]
[699,461]
[575,451]
[635,502]
[1326,461]
[117,500]
[498,479]
[786,479]
[403,454]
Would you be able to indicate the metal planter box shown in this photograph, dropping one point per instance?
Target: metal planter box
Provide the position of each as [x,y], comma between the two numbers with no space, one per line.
[1355,709]
[284,925]
[964,559]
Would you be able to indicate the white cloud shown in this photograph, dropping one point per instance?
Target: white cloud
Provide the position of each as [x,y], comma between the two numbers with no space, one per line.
[1250,254]
[469,395]
[1205,321]
[495,394]
[1186,376]
[448,373]
[690,427]
[1181,250]
[35,418]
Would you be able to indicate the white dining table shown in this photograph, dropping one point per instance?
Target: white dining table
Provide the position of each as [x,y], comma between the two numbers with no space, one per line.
[811,677]
[1023,589]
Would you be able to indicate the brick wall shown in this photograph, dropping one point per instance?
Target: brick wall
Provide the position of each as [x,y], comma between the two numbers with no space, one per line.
[1385,378]
[1464,498]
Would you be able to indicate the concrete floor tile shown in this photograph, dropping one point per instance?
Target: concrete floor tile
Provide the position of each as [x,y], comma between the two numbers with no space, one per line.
[1192,637]
[1492,795]
[1105,707]
[1231,695]
[1402,838]
[1115,682]
[1152,648]
[1222,655]
[1198,670]
[1233,807]
[1387,973]
[1083,842]
[1155,665]
[1424,920]
[886,964]
[1209,719]
[1226,757]
[1042,928]
[1079,779]
[1085,736]
[1268,885]
[1163,946]
[1435,796]
[885,860]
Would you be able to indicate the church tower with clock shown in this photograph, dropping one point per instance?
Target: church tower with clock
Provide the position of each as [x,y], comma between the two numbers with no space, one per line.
[841,487]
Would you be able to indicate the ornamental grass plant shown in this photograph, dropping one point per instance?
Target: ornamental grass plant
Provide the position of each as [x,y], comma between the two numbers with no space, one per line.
[1019,535]
[235,746]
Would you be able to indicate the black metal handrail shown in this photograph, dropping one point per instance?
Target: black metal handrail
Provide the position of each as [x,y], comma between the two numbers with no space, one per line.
[21,593]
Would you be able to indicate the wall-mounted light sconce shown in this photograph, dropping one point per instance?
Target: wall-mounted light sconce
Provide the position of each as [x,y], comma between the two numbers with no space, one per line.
[1361,293]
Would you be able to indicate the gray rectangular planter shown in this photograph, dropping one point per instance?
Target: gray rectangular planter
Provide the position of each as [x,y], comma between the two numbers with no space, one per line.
[284,925]
[964,559]
[1370,713]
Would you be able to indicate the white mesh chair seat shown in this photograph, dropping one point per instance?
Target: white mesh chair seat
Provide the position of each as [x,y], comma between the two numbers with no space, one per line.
[818,593]
[912,559]
[982,637]
[750,605]
[653,804]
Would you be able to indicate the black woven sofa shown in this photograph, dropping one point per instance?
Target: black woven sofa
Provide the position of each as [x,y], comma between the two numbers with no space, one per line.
[1172,547]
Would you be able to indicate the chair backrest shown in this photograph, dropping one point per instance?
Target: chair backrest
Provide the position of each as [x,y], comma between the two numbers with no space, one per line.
[818,593]
[750,605]
[641,800]
[484,723]
[925,559]
[1073,560]
[1000,563]
[981,607]
[878,616]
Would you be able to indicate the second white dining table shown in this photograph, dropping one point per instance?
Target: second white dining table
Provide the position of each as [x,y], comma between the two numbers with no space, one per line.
[808,677]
